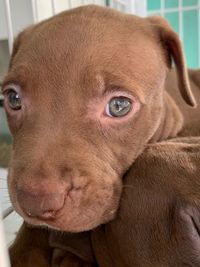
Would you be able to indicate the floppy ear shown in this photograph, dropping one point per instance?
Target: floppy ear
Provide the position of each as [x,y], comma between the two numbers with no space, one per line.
[172,45]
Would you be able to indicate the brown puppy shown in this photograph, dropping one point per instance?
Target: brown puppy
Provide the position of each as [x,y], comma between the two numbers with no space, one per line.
[157,223]
[84,95]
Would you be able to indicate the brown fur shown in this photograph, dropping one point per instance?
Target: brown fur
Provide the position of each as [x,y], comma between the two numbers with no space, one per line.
[157,223]
[158,220]
[68,157]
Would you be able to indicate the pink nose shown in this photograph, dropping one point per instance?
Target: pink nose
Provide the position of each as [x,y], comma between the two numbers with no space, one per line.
[42,200]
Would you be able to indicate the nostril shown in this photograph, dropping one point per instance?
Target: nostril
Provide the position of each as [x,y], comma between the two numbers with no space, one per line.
[41,205]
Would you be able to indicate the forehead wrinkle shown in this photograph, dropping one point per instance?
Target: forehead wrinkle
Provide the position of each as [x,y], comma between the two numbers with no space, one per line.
[100,84]
[114,82]
[107,82]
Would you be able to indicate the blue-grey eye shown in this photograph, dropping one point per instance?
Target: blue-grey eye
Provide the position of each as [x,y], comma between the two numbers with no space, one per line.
[118,107]
[13,99]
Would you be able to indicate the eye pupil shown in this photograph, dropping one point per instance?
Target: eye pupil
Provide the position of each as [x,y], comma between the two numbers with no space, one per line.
[119,106]
[14,100]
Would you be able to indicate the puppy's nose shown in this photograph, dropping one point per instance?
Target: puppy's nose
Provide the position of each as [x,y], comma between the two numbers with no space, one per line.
[42,200]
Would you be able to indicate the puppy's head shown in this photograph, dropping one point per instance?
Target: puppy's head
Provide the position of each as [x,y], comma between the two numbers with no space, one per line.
[83,96]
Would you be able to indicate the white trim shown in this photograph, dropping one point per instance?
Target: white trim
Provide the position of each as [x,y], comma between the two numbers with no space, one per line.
[53,6]
[162,7]
[141,8]
[180,19]
[175,9]
[70,4]
[34,10]
[137,7]
[9,25]
[122,2]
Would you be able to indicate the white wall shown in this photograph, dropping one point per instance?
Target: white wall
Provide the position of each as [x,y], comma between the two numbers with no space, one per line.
[44,7]
[21,16]
[25,12]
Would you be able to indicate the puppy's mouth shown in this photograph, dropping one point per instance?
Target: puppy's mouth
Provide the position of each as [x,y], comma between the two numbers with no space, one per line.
[71,219]
[81,209]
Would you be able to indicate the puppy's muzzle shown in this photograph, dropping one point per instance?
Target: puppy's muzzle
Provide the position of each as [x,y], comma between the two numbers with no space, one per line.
[43,202]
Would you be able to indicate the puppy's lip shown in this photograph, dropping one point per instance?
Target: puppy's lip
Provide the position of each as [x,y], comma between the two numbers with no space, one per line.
[58,222]
[48,216]
[72,217]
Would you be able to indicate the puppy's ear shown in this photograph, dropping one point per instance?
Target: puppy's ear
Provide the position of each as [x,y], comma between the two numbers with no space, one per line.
[172,45]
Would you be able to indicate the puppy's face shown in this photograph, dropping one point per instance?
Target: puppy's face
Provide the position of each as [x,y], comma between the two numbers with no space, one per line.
[83,96]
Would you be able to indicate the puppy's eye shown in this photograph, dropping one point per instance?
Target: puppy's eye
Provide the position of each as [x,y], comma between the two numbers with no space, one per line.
[13,99]
[118,107]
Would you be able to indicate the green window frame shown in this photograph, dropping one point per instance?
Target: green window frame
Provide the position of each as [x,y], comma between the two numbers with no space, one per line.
[184,18]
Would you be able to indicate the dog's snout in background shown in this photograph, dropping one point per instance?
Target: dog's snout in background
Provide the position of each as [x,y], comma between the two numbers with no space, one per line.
[84,95]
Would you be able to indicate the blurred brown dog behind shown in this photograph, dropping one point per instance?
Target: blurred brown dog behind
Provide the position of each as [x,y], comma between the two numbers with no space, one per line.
[158,221]
[85,93]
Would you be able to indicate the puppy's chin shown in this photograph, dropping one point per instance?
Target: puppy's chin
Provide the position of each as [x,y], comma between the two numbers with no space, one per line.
[74,224]
[80,212]
[77,221]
